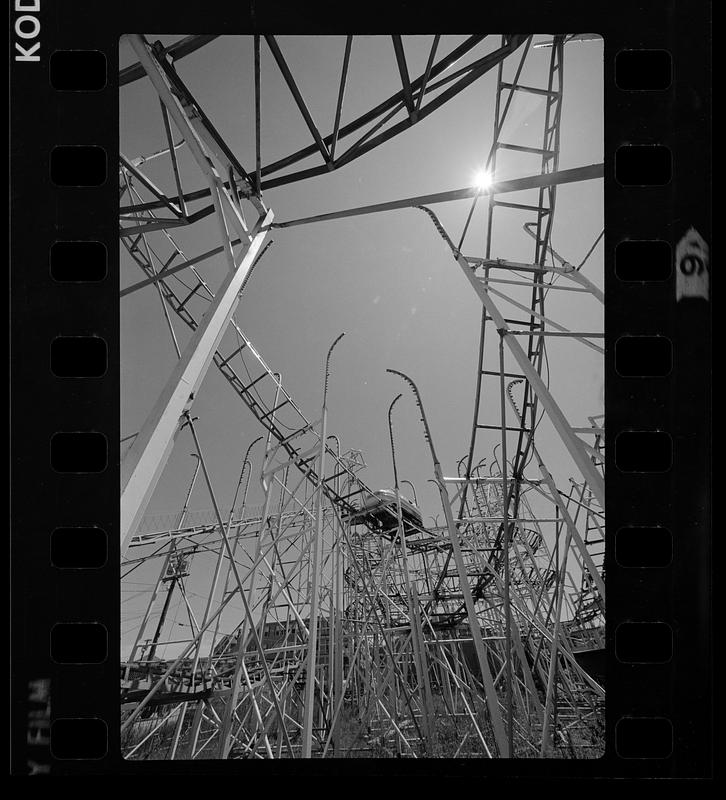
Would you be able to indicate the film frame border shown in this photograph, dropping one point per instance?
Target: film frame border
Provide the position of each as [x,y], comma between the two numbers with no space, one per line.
[43,403]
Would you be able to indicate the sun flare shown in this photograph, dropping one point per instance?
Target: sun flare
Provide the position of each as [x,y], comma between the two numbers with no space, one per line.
[483,180]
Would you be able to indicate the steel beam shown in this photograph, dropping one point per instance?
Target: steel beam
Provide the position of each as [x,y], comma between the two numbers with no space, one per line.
[448,60]
[405,79]
[290,80]
[341,95]
[574,446]
[517,185]
[146,458]
[569,439]
[183,47]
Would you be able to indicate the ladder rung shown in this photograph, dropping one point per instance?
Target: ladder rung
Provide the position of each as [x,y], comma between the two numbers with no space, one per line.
[272,411]
[506,374]
[335,475]
[298,432]
[530,89]
[522,149]
[499,427]
[537,325]
[229,358]
[521,207]
[189,296]
[256,380]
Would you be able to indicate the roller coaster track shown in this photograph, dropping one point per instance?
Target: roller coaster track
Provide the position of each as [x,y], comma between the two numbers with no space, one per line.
[249,392]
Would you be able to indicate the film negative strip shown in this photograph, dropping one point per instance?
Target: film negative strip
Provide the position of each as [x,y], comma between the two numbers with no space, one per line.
[453,639]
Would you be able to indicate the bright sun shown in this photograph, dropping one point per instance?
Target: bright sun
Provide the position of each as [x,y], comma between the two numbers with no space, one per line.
[482,180]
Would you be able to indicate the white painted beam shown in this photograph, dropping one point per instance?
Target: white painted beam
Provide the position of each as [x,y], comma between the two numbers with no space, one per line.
[145,460]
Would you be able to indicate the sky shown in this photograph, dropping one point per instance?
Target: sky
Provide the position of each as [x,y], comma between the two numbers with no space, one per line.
[387,280]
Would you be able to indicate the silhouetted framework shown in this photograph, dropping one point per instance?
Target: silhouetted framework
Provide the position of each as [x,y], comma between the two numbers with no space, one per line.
[336,622]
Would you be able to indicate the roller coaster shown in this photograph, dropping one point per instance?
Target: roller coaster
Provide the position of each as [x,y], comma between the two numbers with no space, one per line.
[334,619]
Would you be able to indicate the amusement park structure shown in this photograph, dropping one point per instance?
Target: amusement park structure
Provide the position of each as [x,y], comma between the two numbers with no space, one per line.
[335,620]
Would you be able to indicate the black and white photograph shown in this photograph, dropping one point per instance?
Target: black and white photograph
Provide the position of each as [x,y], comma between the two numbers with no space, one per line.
[326,322]
[362,396]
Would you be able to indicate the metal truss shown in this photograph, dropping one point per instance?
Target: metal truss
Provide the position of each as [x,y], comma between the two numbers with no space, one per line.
[326,631]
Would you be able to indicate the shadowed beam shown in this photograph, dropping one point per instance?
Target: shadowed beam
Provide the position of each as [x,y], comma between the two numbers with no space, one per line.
[167,271]
[149,185]
[405,80]
[501,187]
[341,94]
[287,75]
[473,72]
[380,109]
[159,224]
[178,50]
[344,131]
[429,64]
